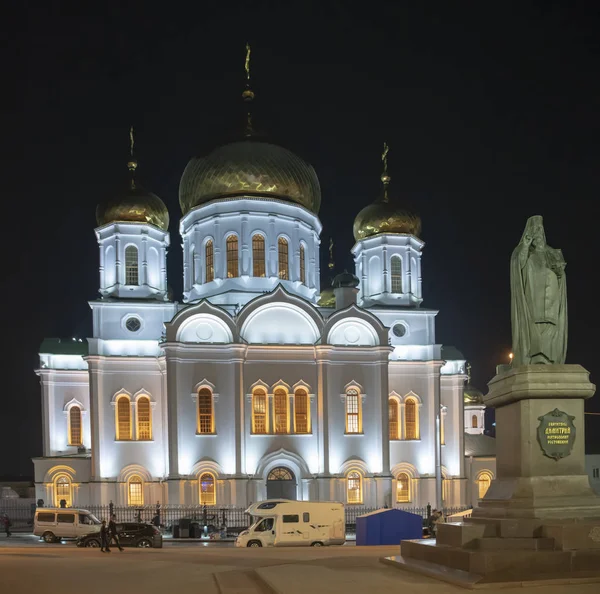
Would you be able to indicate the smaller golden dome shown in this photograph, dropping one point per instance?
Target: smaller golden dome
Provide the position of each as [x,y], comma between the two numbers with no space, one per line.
[385,217]
[136,206]
[327,298]
[472,395]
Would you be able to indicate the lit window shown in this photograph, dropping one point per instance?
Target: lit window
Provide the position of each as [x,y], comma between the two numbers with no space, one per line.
[396,266]
[301,411]
[205,411]
[483,482]
[62,491]
[232,257]
[302,265]
[403,488]
[411,419]
[258,256]
[474,422]
[259,412]
[207,489]
[210,261]
[353,421]
[123,418]
[131,265]
[393,414]
[75,426]
[354,487]
[135,488]
[144,419]
[280,409]
[284,267]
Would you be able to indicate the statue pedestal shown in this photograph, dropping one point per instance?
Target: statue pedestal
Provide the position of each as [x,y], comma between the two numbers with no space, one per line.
[539,520]
[540,453]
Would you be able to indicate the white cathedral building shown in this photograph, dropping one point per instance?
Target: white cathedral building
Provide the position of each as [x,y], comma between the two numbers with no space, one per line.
[259,384]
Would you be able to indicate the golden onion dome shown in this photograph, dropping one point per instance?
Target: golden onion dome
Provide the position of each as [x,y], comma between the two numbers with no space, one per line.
[327,298]
[249,168]
[472,395]
[136,206]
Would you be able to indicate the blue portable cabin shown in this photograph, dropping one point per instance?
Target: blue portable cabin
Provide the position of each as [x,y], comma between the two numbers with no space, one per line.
[388,527]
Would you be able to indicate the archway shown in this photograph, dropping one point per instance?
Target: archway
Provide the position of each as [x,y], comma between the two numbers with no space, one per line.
[281,484]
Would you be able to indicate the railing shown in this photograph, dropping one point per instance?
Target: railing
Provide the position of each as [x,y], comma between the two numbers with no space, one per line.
[211,519]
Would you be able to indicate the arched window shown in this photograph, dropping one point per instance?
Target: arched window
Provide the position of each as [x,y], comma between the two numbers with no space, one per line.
[474,422]
[396,270]
[403,488]
[411,419]
[302,264]
[283,258]
[232,257]
[280,410]
[144,419]
[258,256]
[393,415]
[135,491]
[205,411]
[483,483]
[75,437]
[131,265]
[301,412]
[209,264]
[208,494]
[259,412]
[123,418]
[353,417]
[63,491]
[354,487]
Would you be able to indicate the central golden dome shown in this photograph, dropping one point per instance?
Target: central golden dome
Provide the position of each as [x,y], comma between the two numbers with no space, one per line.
[249,168]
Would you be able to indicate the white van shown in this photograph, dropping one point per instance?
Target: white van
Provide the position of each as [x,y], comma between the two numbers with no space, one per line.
[284,523]
[54,523]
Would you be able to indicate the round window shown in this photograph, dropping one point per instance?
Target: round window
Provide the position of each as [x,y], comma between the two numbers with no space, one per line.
[133,324]
[399,330]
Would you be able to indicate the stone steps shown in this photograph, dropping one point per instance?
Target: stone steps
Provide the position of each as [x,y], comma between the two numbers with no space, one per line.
[513,544]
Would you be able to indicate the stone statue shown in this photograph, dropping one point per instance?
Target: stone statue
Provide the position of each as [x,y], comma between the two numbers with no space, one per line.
[538,299]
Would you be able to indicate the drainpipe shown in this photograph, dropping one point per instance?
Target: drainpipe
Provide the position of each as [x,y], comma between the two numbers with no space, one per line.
[438,444]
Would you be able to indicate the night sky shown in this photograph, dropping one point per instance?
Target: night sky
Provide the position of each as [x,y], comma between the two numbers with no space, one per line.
[490,110]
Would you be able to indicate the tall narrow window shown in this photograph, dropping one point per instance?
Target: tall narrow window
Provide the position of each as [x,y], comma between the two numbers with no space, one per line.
[483,483]
[123,418]
[62,491]
[403,488]
[393,406]
[302,264]
[283,259]
[353,411]
[411,419]
[301,411]
[209,257]
[205,411]
[259,412]
[135,491]
[280,408]
[131,265]
[258,256]
[354,487]
[396,266]
[144,419]
[75,438]
[207,489]
[474,422]
[443,426]
[232,257]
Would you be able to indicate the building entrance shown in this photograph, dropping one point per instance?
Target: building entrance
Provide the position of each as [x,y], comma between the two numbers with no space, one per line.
[281,484]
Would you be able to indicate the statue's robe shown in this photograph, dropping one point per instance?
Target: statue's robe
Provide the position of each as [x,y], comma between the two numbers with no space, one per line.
[538,306]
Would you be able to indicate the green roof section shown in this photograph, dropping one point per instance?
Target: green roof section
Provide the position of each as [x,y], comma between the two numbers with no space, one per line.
[64,346]
[451,353]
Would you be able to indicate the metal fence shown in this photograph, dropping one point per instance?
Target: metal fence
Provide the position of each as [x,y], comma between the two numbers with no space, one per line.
[211,519]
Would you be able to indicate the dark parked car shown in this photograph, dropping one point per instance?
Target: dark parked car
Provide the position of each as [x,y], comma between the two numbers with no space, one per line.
[130,535]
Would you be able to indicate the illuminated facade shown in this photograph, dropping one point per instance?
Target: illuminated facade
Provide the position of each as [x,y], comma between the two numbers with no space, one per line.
[249,389]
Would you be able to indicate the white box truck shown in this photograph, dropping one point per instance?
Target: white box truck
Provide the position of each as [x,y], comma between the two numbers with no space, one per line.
[284,523]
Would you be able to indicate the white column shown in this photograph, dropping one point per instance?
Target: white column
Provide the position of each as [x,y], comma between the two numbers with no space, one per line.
[244,240]
[118,279]
[144,254]
[384,269]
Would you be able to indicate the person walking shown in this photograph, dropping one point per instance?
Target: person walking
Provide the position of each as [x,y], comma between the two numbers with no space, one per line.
[104,538]
[7,523]
[112,532]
